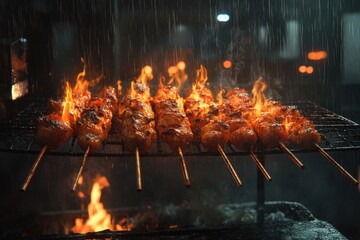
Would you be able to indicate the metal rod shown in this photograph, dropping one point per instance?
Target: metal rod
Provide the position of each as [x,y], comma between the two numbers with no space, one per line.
[337,165]
[260,166]
[291,155]
[229,166]
[184,169]
[81,169]
[138,171]
[33,169]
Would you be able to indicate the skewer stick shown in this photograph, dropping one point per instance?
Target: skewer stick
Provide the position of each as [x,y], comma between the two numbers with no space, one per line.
[291,155]
[184,169]
[260,166]
[229,165]
[81,169]
[138,171]
[337,165]
[33,169]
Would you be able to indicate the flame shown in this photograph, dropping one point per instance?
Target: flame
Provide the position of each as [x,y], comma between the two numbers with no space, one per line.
[119,87]
[81,83]
[199,84]
[145,76]
[180,102]
[219,97]
[259,97]
[132,90]
[177,73]
[201,77]
[68,103]
[99,219]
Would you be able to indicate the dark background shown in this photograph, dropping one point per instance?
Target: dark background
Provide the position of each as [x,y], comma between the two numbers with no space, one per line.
[117,38]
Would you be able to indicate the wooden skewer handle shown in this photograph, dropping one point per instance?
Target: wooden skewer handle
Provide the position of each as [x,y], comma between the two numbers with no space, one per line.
[292,156]
[184,169]
[230,167]
[81,169]
[337,165]
[260,166]
[33,169]
[138,171]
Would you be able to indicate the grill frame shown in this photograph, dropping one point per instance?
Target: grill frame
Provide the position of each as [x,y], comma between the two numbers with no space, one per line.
[337,134]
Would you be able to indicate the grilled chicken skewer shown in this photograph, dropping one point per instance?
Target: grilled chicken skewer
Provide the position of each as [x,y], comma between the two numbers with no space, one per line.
[136,119]
[303,134]
[172,125]
[93,126]
[268,129]
[206,124]
[57,127]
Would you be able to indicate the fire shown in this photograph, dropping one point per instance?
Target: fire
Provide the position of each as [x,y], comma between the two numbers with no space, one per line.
[81,83]
[199,85]
[177,73]
[219,97]
[259,97]
[201,77]
[68,103]
[119,87]
[145,76]
[199,92]
[99,219]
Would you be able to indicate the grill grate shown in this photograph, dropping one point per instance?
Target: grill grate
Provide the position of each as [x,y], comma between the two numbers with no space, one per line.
[337,133]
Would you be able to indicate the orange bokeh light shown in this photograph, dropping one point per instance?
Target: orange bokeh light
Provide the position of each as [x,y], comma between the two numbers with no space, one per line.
[316,56]
[227,64]
[309,70]
[302,69]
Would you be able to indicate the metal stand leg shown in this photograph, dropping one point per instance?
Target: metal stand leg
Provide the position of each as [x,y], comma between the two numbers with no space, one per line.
[260,191]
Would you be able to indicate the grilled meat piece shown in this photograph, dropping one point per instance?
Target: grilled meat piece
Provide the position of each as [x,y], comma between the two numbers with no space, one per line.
[53,131]
[242,134]
[213,134]
[137,121]
[269,131]
[172,124]
[93,126]
[300,130]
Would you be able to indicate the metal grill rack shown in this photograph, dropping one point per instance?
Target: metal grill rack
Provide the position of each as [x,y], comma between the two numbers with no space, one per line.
[337,133]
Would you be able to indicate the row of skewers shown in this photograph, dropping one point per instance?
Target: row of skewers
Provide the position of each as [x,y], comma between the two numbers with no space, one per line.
[141,119]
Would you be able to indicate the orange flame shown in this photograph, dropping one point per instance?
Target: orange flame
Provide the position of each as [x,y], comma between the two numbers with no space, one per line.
[68,103]
[145,75]
[99,219]
[81,83]
[201,77]
[177,73]
[132,90]
[259,97]
[219,96]
[119,88]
